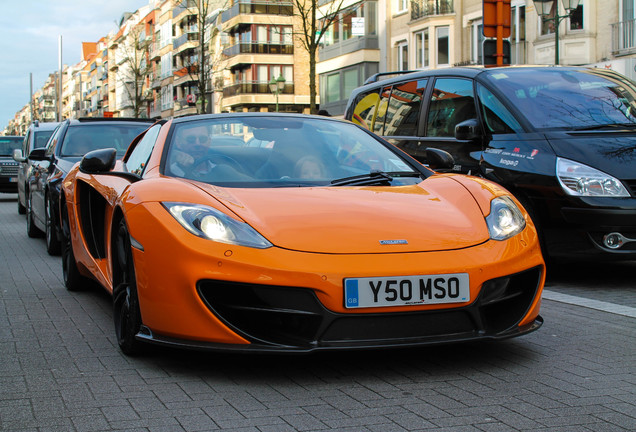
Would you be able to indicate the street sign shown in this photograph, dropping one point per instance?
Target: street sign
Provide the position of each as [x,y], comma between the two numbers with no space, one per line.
[490,52]
[492,18]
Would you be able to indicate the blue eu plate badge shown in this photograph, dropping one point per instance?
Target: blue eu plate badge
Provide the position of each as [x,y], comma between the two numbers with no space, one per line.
[351,293]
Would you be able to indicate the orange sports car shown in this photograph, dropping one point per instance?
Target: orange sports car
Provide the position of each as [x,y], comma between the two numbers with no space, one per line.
[295,233]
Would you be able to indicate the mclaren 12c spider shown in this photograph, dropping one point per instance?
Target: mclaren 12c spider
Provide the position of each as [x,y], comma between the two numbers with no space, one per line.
[295,233]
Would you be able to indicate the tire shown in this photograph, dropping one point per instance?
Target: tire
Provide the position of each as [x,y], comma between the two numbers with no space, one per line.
[32,230]
[21,208]
[53,244]
[73,279]
[126,311]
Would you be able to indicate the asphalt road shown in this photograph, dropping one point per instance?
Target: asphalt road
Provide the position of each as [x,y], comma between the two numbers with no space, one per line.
[60,368]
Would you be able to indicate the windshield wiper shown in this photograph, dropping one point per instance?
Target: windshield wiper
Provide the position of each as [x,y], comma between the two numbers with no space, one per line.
[612,126]
[374,177]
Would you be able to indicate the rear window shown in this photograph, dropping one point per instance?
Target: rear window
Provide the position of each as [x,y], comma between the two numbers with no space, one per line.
[568,99]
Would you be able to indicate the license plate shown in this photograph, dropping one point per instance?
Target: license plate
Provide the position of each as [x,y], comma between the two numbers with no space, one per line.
[407,290]
[13,179]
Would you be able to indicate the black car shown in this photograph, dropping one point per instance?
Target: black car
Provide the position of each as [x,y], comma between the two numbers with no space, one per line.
[562,139]
[71,140]
[37,136]
[8,166]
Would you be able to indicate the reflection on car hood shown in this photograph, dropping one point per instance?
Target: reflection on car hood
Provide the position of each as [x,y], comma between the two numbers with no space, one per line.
[438,214]
[611,152]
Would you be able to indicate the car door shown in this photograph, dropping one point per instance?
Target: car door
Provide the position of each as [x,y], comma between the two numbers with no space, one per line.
[41,172]
[449,102]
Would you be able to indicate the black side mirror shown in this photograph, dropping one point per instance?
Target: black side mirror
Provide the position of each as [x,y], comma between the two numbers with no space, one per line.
[439,159]
[98,161]
[38,154]
[468,130]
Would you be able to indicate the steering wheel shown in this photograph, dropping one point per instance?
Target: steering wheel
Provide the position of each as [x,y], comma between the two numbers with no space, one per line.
[216,159]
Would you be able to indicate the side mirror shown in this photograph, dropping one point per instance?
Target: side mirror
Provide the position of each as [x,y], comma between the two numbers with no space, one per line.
[17,155]
[468,130]
[439,159]
[98,161]
[38,154]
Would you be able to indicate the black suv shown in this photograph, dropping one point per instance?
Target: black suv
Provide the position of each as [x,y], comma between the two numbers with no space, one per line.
[37,136]
[561,139]
[8,166]
[71,140]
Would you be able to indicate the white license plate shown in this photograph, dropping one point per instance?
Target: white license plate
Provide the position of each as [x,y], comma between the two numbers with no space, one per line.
[407,290]
[13,179]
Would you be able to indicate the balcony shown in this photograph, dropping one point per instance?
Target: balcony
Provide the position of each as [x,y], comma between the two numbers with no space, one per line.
[282,7]
[624,37]
[258,48]
[254,87]
[426,8]
[184,39]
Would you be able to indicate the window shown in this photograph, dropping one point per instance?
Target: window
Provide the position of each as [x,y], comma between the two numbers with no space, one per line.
[575,19]
[401,6]
[402,56]
[421,49]
[136,163]
[404,109]
[452,102]
[497,118]
[365,108]
[381,111]
[341,29]
[442,46]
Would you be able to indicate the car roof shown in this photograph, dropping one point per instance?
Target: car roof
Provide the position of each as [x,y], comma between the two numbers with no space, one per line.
[89,120]
[44,125]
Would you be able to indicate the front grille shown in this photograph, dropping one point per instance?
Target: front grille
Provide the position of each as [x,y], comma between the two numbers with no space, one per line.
[294,317]
[631,186]
[9,169]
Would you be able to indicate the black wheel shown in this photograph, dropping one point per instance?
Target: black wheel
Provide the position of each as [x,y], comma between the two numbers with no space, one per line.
[126,312]
[53,245]
[32,230]
[73,279]
[21,208]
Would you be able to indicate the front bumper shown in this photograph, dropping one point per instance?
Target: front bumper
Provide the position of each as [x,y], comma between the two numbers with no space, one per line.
[201,294]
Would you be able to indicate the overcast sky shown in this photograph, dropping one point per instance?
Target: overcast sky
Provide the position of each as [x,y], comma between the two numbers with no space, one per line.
[29,41]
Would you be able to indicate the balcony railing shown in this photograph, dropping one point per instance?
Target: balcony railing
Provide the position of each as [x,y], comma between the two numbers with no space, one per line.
[624,36]
[424,8]
[282,7]
[254,87]
[187,37]
[258,48]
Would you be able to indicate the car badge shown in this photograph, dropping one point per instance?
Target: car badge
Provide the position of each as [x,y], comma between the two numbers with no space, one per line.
[393,242]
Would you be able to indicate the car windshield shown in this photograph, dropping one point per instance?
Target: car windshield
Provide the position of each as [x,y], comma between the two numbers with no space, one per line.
[42,137]
[8,144]
[282,151]
[82,138]
[554,98]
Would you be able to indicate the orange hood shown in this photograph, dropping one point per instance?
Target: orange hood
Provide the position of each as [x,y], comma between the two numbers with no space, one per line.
[437,214]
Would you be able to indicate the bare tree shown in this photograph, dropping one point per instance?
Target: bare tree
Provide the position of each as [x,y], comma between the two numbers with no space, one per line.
[136,67]
[208,58]
[312,31]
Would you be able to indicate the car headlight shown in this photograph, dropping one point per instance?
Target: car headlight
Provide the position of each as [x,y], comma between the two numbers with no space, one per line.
[209,223]
[505,219]
[581,180]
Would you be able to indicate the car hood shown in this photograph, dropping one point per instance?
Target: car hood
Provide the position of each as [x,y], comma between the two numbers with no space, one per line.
[437,214]
[611,152]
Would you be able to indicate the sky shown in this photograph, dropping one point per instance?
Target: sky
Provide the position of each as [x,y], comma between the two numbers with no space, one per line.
[29,41]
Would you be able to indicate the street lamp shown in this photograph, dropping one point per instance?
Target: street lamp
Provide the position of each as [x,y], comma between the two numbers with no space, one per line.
[544,9]
[276,86]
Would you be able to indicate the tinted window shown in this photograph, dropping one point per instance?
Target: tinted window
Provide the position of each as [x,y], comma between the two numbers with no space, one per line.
[452,102]
[41,138]
[404,109]
[497,118]
[364,109]
[82,138]
[57,133]
[8,144]
[381,112]
[139,157]
[570,99]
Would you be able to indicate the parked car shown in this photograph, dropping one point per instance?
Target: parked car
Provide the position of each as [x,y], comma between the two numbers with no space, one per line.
[561,139]
[9,167]
[70,141]
[329,238]
[37,136]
